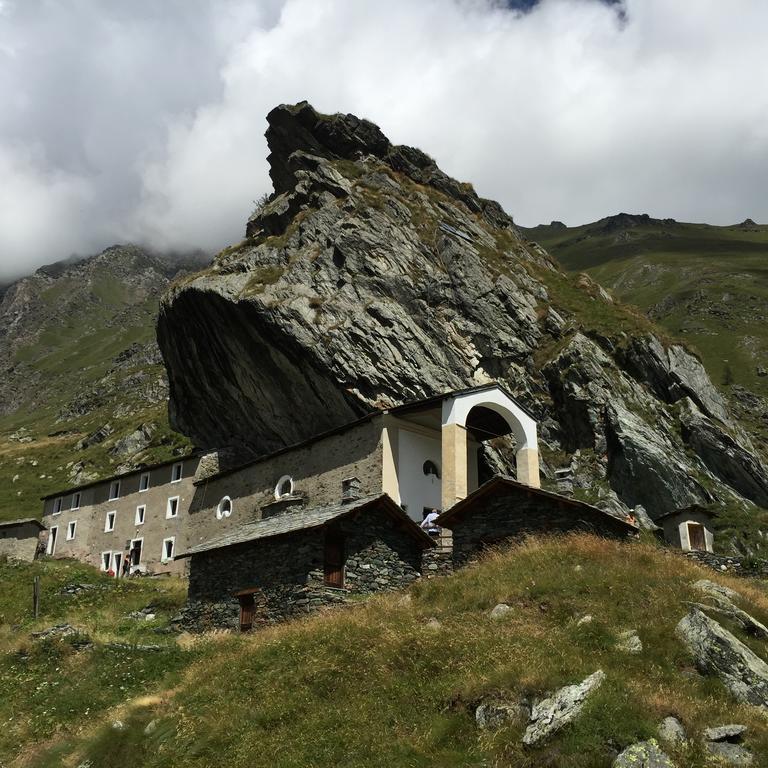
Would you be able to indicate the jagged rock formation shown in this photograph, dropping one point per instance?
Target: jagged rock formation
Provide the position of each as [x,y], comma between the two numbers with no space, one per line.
[372,278]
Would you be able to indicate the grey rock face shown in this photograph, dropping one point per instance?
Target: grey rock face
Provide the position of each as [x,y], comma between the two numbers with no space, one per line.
[629,642]
[494,713]
[733,733]
[717,652]
[370,278]
[731,754]
[717,590]
[137,441]
[725,457]
[671,730]
[552,714]
[500,611]
[644,754]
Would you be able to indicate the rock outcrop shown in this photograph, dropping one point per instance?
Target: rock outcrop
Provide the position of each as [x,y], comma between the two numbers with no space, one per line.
[717,652]
[370,278]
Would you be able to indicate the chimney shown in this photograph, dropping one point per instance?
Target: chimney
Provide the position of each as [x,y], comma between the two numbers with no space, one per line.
[350,490]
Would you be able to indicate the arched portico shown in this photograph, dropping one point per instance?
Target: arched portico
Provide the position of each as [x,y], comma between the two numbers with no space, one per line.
[470,411]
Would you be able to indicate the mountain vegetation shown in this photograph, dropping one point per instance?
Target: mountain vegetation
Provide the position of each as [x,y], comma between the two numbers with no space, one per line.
[395,681]
[83,390]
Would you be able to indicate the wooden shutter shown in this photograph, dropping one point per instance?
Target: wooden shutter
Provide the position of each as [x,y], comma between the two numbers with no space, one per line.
[334,559]
[696,537]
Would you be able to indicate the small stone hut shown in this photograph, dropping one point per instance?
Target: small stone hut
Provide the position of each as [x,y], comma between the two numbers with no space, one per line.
[689,528]
[502,509]
[296,561]
[19,539]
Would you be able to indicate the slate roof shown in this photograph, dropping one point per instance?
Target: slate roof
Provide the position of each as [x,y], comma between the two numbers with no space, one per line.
[21,521]
[691,508]
[498,482]
[304,519]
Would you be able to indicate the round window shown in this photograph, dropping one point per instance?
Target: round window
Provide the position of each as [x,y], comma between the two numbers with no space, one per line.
[430,468]
[284,487]
[224,509]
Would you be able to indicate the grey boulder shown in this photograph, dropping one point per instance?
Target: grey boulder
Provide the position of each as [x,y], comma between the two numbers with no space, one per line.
[732,733]
[644,754]
[671,730]
[730,754]
[552,714]
[494,713]
[717,652]
[629,641]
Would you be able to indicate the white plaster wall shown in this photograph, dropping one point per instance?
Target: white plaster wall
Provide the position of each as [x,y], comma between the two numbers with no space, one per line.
[418,490]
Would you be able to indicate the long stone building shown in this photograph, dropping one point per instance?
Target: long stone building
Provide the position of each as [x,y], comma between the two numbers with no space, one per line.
[339,513]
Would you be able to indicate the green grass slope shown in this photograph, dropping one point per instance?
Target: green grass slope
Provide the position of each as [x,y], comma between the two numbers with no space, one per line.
[394,681]
[704,284]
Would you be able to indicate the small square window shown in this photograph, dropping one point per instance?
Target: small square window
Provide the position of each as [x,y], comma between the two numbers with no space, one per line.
[173,507]
[114,490]
[168,547]
[71,530]
[57,506]
[75,501]
[109,523]
[177,472]
[140,513]
[144,482]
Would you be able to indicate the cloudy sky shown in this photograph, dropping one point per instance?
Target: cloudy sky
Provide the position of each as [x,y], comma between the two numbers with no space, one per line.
[143,121]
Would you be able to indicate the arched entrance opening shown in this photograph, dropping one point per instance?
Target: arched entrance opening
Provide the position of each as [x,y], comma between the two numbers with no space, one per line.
[478,416]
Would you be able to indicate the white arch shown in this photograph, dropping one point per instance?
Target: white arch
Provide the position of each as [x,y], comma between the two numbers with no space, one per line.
[456,411]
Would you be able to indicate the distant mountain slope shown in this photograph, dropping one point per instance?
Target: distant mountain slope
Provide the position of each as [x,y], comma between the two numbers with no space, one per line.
[706,284]
[80,371]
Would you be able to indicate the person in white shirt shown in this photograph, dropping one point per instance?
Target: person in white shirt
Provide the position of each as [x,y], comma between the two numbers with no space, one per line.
[429,524]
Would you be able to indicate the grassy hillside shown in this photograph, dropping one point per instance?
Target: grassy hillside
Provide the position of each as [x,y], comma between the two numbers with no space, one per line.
[392,682]
[707,285]
[78,352]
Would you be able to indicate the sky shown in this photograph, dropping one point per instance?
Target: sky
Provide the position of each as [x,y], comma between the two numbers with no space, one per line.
[144,122]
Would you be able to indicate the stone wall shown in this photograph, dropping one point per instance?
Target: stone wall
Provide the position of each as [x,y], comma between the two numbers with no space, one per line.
[317,468]
[514,514]
[288,572]
[19,542]
[733,565]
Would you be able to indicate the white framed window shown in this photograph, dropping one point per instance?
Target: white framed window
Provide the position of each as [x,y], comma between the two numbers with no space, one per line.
[177,472]
[135,552]
[172,510]
[168,549]
[224,509]
[52,536]
[141,512]
[75,501]
[71,530]
[114,490]
[106,560]
[57,506]
[109,522]
[144,482]
[284,487]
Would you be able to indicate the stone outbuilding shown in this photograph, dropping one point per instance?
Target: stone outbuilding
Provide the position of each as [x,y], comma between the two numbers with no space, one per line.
[19,539]
[297,560]
[502,510]
[689,529]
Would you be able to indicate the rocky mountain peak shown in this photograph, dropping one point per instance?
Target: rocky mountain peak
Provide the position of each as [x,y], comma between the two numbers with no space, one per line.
[371,278]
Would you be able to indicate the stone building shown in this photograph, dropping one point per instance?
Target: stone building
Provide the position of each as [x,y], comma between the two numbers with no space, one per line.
[689,529]
[503,510]
[19,539]
[142,513]
[296,560]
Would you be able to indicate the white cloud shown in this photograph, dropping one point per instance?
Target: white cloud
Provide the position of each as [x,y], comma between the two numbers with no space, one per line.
[148,125]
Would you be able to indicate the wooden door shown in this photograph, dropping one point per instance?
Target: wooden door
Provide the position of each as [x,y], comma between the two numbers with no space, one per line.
[334,559]
[696,537]
[247,608]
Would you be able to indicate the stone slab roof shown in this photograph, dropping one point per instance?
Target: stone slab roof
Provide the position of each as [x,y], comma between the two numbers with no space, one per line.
[304,519]
[21,521]
[502,483]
